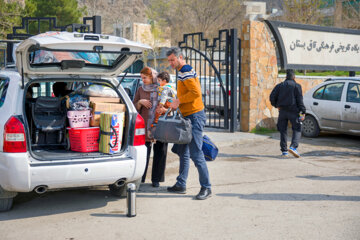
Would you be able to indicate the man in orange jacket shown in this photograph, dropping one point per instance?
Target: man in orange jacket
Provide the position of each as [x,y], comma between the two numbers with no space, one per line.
[191,106]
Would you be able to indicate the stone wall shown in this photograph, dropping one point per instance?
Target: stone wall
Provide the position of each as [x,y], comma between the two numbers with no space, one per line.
[259,75]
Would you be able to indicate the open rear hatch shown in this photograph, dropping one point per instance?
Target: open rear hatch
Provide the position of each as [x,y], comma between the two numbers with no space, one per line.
[83,62]
[64,53]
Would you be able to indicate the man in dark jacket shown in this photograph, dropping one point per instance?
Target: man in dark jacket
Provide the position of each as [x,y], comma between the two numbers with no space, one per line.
[287,97]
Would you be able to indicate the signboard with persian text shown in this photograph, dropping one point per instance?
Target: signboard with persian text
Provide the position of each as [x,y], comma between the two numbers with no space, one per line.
[316,48]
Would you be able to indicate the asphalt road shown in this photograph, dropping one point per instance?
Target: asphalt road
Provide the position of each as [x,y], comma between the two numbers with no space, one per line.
[256,195]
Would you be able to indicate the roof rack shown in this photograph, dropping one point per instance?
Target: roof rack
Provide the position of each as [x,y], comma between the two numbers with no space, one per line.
[18,34]
[343,79]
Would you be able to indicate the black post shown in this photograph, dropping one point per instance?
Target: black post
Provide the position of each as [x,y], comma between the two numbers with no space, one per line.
[97,24]
[239,83]
[352,74]
[228,48]
[9,54]
[233,79]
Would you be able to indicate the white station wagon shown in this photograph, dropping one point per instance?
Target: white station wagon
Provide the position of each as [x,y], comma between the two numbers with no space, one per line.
[32,158]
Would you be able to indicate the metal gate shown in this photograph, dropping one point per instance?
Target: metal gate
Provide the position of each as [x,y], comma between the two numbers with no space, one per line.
[217,65]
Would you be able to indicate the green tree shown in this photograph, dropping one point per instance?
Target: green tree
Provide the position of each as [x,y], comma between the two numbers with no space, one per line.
[10,16]
[65,11]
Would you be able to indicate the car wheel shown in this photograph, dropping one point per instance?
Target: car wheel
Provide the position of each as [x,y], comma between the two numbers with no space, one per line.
[310,127]
[5,204]
[121,191]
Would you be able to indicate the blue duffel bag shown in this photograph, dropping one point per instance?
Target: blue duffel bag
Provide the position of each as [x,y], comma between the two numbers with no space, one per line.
[209,149]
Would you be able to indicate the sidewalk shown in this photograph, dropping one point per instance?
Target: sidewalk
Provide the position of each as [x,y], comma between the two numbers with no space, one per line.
[222,138]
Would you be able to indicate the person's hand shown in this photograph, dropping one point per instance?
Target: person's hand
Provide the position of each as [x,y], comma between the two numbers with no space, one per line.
[175,104]
[160,110]
[146,103]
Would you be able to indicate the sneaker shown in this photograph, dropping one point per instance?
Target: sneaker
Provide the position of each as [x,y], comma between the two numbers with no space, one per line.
[285,154]
[156,184]
[294,152]
[203,194]
[177,189]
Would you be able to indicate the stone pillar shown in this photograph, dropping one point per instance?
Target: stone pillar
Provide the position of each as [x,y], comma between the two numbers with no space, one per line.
[259,73]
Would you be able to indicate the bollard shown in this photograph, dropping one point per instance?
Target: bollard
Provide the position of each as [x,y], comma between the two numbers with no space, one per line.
[131,200]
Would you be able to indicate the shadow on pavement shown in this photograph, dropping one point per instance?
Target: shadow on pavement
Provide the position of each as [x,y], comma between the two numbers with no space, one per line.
[326,139]
[256,157]
[248,157]
[118,215]
[331,153]
[161,195]
[291,197]
[28,205]
[331,178]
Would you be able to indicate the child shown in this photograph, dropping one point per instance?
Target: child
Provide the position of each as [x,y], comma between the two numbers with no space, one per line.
[166,94]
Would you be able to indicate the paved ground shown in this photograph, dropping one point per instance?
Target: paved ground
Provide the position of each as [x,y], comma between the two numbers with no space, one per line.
[256,195]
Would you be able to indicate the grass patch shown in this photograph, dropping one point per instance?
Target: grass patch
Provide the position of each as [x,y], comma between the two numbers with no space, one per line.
[262,130]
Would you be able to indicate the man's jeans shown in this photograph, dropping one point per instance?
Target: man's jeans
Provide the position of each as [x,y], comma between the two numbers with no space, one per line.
[284,118]
[193,150]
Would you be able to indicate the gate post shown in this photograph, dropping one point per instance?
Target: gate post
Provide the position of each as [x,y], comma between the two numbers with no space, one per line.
[259,74]
[233,79]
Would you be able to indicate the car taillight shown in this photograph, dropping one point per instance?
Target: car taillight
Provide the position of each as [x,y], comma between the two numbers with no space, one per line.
[14,136]
[139,136]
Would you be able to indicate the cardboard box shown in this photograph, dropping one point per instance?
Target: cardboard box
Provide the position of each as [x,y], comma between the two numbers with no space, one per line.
[104,99]
[95,99]
[99,107]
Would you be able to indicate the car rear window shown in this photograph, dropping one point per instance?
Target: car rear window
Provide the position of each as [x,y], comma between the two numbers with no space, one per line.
[4,83]
[42,57]
[353,93]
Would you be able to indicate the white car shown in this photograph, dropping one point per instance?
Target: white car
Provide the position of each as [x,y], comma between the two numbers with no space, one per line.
[214,95]
[333,105]
[78,60]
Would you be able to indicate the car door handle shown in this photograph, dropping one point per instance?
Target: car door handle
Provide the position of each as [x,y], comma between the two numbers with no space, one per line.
[315,103]
[347,106]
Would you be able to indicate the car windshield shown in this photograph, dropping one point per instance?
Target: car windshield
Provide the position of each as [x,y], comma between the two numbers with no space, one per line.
[42,57]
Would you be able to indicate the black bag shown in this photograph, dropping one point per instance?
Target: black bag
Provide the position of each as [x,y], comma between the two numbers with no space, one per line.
[173,129]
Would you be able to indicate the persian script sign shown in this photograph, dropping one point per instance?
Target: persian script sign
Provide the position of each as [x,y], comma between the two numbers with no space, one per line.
[314,47]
